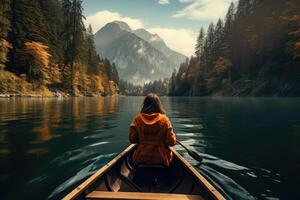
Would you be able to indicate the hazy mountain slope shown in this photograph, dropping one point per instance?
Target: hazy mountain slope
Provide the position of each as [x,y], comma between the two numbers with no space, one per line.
[137,59]
[160,45]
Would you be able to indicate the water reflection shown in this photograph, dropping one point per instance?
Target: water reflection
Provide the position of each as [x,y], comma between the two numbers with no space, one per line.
[250,146]
[245,133]
[33,130]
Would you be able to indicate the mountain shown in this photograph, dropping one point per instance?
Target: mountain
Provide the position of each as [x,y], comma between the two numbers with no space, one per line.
[138,58]
[159,44]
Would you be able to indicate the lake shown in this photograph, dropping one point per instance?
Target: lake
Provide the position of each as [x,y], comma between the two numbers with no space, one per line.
[251,146]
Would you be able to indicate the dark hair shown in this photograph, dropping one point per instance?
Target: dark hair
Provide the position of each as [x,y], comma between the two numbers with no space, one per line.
[152,104]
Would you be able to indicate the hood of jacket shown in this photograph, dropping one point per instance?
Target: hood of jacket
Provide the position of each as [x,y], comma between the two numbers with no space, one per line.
[151,119]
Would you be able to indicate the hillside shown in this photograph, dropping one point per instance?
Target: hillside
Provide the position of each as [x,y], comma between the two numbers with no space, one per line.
[255,51]
[44,53]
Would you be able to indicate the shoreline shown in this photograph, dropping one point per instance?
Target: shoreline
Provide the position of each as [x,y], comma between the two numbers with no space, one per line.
[54,95]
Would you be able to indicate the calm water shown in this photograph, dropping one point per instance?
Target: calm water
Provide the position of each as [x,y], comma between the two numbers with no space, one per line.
[251,145]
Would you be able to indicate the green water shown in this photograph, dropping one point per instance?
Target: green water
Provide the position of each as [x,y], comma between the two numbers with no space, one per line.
[251,146]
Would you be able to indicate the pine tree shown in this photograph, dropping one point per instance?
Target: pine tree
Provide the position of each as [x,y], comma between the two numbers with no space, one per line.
[67,31]
[244,8]
[209,47]
[228,31]
[93,59]
[78,30]
[73,34]
[172,84]
[219,39]
[28,24]
[52,12]
[200,43]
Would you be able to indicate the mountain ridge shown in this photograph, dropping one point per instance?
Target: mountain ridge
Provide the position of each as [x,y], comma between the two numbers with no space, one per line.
[137,53]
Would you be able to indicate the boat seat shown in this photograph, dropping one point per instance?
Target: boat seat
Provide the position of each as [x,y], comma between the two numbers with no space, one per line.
[154,175]
[151,166]
[139,195]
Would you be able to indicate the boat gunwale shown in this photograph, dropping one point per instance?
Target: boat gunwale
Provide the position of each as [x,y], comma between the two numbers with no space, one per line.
[88,182]
[203,181]
[92,179]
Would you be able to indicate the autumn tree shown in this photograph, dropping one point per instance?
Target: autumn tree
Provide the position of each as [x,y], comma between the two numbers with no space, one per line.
[38,60]
[4,48]
[291,20]
[46,41]
[5,27]
[255,50]
[223,67]
[28,24]
[5,14]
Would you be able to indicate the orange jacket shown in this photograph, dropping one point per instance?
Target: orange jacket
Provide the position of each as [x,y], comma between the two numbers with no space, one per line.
[153,133]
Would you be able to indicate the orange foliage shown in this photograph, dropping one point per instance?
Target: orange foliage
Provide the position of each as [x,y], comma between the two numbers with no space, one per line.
[291,18]
[40,58]
[222,65]
[4,48]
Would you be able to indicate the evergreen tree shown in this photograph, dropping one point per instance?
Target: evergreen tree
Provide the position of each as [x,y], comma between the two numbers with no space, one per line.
[219,39]
[67,32]
[209,47]
[45,39]
[244,8]
[93,59]
[200,43]
[172,84]
[52,12]
[255,52]
[75,44]
[228,30]
[28,24]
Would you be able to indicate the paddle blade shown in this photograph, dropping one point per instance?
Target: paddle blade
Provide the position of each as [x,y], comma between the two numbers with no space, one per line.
[196,156]
[192,153]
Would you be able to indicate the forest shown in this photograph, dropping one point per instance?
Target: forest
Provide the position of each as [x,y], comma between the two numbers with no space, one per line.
[255,51]
[160,87]
[46,49]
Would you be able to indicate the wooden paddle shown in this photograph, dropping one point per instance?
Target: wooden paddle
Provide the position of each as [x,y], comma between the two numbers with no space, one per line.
[192,153]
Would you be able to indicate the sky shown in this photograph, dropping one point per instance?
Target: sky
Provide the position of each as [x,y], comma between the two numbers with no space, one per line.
[177,22]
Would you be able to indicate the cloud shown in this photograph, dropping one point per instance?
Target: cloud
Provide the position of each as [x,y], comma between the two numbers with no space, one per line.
[203,10]
[180,40]
[164,2]
[99,19]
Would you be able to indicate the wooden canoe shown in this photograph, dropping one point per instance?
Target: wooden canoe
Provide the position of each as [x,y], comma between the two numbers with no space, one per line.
[120,180]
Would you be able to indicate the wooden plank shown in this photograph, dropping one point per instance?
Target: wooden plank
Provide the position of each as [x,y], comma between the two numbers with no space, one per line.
[209,187]
[141,196]
[85,185]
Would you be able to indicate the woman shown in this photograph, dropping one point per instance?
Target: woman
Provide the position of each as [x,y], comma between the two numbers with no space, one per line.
[153,133]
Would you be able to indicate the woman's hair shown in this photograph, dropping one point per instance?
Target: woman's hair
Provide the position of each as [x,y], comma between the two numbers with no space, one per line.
[152,104]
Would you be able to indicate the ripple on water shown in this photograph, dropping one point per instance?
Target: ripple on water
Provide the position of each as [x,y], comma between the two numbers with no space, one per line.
[223,182]
[82,174]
